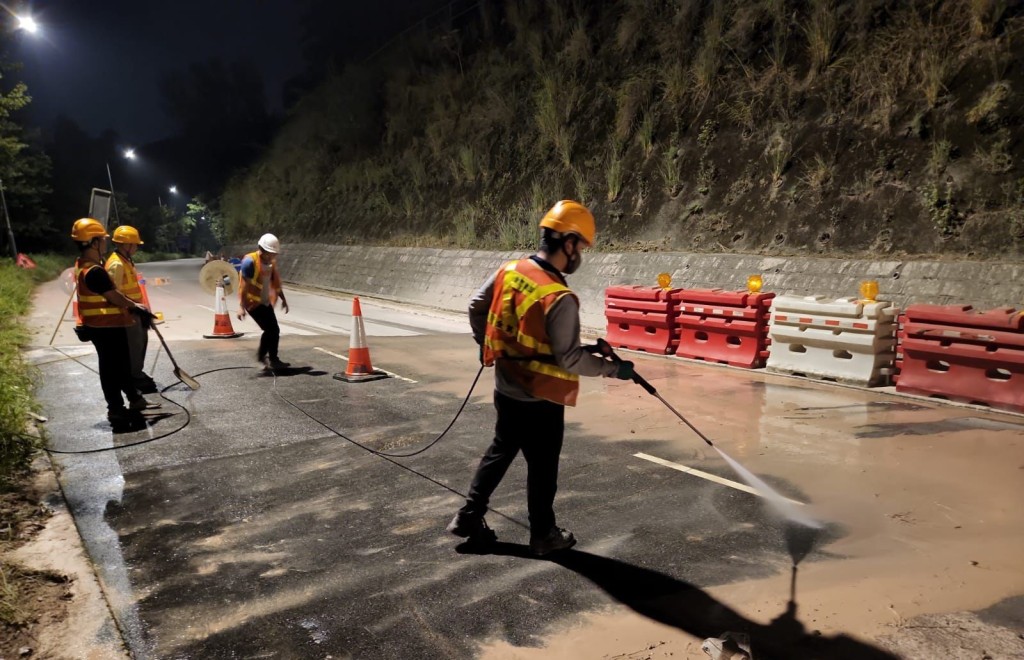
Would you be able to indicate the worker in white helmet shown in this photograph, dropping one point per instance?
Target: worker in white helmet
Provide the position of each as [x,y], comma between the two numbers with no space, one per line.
[259,288]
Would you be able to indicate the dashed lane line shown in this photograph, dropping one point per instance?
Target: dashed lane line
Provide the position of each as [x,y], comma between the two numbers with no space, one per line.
[707,475]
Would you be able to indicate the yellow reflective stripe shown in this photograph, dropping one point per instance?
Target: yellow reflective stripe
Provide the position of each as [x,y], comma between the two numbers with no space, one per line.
[536,295]
[536,344]
[91,299]
[98,311]
[552,370]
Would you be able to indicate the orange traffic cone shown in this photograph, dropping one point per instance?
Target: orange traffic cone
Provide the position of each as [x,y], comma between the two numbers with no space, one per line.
[145,297]
[360,369]
[221,319]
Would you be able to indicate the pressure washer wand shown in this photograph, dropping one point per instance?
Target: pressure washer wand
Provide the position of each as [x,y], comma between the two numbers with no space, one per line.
[605,349]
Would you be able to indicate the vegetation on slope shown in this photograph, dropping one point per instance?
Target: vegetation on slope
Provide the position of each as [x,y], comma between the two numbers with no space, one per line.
[775,126]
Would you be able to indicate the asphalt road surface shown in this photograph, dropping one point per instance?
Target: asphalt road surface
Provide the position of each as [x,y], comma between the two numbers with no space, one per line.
[252,518]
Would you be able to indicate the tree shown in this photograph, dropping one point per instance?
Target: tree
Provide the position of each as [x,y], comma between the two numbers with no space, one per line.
[207,227]
[24,168]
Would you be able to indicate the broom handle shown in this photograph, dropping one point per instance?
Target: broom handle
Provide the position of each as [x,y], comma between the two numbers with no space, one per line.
[63,314]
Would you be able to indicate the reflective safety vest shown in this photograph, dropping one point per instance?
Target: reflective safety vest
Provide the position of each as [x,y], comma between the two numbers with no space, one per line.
[95,310]
[129,284]
[517,332]
[252,288]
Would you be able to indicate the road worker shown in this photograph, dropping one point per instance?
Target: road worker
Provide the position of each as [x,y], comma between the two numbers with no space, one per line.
[121,268]
[106,314]
[526,321]
[259,288]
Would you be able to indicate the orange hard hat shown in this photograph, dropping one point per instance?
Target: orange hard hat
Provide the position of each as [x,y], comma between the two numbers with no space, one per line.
[127,234]
[86,229]
[569,217]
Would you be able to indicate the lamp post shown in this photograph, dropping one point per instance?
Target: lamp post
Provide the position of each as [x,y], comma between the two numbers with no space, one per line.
[129,154]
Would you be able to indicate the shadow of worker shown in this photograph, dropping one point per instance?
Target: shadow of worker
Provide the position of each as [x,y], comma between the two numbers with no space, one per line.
[682,605]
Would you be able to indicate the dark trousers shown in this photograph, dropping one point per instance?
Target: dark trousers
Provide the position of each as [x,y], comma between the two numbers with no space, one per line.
[138,341]
[115,366]
[536,428]
[267,320]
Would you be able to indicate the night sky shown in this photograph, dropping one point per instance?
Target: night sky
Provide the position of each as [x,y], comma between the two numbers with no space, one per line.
[99,61]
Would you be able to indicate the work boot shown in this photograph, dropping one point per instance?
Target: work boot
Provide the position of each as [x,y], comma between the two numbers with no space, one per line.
[140,404]
[122,415]
[472,527]
[145,385]
[276,363]
[556,539]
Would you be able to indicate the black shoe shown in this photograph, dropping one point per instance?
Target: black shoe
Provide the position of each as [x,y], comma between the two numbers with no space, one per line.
[140,404]
[471,526]
[276,363]
[556,539]
[122,416]
[146,385]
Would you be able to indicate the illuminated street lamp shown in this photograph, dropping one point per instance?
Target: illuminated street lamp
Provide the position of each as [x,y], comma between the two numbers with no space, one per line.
[28,24]
[129,153]
[173,190]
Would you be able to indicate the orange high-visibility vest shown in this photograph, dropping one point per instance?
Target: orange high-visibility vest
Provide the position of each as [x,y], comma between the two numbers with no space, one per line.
[97,311]
[517,332]
[129,284]
[252,288]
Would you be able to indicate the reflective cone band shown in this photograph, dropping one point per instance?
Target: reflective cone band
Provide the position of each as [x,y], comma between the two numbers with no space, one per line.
[359,369]
[221,319]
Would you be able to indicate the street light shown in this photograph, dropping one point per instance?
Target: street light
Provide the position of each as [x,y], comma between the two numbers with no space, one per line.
[28,24]
[173,190]
[129,153]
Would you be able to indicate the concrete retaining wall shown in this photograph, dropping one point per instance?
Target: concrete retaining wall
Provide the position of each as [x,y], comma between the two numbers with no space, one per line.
[445,279]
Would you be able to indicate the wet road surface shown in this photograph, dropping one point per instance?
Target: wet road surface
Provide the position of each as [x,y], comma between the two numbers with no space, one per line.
[254,531]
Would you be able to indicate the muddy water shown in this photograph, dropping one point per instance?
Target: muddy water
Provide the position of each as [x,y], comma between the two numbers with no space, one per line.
[928,497]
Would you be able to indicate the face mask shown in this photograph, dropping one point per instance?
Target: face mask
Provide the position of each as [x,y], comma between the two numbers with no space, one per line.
[575,261]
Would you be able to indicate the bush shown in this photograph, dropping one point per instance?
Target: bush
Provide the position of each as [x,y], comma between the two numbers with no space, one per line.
[16,447]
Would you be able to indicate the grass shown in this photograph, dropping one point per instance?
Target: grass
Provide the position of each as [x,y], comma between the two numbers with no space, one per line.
[10,613]
[941,152]
[671,171]
[989,103]
[16,401]
[819,174]
[613,173]
[822,32]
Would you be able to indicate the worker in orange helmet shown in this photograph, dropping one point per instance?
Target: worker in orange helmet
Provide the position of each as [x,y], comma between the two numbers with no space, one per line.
[527,323]
[106,313]
[121,268]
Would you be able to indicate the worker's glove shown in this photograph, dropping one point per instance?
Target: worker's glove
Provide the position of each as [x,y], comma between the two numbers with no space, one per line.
[146,317]
[625,370]
[480,354]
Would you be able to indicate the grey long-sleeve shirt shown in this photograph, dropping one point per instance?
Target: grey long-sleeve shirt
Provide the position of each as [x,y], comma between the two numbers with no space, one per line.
[563,326]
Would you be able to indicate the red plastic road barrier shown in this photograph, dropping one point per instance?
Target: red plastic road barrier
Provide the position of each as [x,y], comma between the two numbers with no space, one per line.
[641,319]
[729,327]
[962,354]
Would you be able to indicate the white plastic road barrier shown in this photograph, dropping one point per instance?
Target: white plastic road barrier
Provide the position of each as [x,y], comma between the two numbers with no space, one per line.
[844,340]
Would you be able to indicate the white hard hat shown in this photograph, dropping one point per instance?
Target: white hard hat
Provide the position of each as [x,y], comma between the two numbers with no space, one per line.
[270,244]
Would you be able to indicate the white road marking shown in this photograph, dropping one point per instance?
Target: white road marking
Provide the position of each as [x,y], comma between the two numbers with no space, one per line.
[705,475]
[342,357]
[286,327]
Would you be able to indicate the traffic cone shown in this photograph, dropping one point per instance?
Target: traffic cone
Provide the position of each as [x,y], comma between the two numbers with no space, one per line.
[221,319]
[360,369]
[145,296]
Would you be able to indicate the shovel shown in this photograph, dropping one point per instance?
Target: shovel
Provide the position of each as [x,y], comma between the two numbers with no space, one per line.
[179,373]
